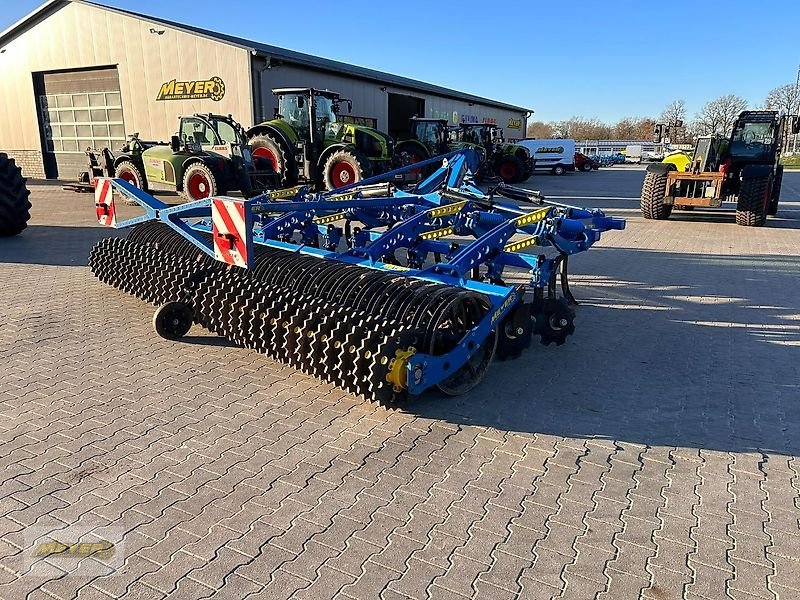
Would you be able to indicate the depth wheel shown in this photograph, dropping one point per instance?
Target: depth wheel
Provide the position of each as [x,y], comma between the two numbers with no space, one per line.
[173,320]
[450,327]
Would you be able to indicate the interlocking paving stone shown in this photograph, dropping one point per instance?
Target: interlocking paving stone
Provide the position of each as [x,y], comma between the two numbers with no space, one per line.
[655,455]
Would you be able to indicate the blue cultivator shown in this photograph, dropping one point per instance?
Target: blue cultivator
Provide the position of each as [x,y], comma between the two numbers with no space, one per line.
[381,291]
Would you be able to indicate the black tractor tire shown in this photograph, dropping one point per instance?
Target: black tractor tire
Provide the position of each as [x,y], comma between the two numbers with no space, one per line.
[14,204]
[131,173]
[654,188]
[586,167]
[777,182]
[753,201]
[199,182]
[344,167]
[511,169]
[283,162]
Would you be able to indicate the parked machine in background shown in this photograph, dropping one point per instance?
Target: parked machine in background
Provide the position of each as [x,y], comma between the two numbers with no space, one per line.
[510,162]
[586,163]
[307,143]
[208,157]
[556,156]
[426,138]
[743,167]
[634,153]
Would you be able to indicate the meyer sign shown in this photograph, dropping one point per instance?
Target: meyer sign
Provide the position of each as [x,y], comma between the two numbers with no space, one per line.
[213,89]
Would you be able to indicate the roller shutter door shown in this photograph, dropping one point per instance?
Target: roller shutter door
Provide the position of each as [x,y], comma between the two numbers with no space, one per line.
[79,109]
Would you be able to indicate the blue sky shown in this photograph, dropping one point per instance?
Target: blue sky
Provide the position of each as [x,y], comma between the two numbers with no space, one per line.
[599,58]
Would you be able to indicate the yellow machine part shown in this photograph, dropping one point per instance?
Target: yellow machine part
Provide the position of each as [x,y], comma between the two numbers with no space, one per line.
[680,159]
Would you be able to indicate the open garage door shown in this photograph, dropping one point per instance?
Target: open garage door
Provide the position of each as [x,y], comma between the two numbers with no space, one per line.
[77,110]
[401,109]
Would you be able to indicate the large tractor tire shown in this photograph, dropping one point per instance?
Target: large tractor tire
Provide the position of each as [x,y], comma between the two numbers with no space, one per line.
[772,210]
[131,173]
[283,163]
[511,169]
[14,204]
[199,182]
[344,167]
[654,188]
[410,154]
[753,201]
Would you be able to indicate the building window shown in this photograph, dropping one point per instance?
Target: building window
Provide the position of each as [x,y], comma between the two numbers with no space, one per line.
[75,122]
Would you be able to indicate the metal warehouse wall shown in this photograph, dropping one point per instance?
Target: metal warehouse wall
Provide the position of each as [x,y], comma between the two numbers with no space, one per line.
[78,36]
[369,100]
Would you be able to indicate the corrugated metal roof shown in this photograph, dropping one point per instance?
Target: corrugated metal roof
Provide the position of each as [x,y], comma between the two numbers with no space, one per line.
[274,52]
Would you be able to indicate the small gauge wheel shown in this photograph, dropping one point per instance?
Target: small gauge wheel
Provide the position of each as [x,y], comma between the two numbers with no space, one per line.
[173,320]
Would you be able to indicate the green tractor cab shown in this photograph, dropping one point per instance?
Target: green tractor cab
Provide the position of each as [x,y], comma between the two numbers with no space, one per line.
[208,157]
[428,138]
[510,162]
[306,142]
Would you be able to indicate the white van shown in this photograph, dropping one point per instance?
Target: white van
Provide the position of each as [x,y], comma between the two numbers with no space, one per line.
[556,156]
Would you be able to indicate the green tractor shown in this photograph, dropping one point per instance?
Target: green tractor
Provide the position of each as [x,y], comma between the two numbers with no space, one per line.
[307,143]
[510,162]
[208,157]
[427,138]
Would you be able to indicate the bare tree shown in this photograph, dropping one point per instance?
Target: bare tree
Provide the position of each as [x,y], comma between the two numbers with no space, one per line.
[784,98]
[676,111]
[673,114]
[718,116]
[540,129]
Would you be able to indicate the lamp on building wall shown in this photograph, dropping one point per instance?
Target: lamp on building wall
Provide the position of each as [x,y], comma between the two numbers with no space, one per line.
[156,31]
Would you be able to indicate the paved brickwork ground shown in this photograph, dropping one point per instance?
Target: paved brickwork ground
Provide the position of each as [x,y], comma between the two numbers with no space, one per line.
[655,455]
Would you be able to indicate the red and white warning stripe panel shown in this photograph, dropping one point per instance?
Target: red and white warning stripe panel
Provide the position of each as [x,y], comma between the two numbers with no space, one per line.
[104,202]
[232,225]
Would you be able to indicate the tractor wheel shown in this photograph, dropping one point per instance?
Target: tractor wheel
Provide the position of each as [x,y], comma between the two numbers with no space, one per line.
[587,167]
[199,182]
[14,204]
[753,201]
[654,189]
[776,192]
[130,172]
[410,154]
[511,169]
[267,147]
[344,167]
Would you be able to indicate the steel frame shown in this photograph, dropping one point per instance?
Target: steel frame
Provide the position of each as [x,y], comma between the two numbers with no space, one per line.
[444,204]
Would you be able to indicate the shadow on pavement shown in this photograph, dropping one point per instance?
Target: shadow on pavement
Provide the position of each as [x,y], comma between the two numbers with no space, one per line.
[687,350]
[54,245]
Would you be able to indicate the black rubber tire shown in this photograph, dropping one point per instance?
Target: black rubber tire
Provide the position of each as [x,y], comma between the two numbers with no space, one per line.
[173,320]
[518,169]
[753,201]
[559,170]
[654,188]
[129,168]
[14,204]
[360,168]
[196,169]
[587,167]
[287,166]
[777,182]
